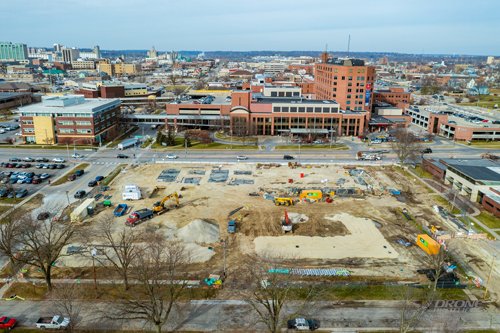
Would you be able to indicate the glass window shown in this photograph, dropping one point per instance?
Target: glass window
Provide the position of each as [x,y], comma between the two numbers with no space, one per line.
[288,94]
[284,109]
[274,94]
[309,109]
[293,109]
[317,110]
[302,109]
[276,109]
[296,93]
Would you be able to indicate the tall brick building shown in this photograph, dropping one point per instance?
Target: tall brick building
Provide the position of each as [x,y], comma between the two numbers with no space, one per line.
[347,81]
[394,96]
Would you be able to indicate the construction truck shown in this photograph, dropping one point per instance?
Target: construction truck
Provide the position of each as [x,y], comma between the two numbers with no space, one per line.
[367,156]
[159,206]
[286,223]
[283,201]
[312,195]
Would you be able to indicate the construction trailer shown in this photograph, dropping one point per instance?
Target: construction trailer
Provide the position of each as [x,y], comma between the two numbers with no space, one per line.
[312,195]
[428,244]
[82,211]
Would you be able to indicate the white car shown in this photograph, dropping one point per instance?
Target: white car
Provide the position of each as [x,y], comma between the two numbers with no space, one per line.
[76,155]
[241,158]
[172,156]
[58,160]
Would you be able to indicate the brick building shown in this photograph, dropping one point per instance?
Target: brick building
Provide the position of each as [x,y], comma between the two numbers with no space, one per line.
[347,81]
[70,119]
[394,96]
[14,99]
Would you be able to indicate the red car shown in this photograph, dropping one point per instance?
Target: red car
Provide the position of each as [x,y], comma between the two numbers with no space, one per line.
[7,323]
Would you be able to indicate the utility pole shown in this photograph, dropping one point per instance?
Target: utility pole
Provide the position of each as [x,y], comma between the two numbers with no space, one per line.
[93,252]
[67,197]
[489,276]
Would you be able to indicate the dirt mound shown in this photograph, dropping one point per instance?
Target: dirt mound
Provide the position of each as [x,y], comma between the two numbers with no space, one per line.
[298,218]
[199,231]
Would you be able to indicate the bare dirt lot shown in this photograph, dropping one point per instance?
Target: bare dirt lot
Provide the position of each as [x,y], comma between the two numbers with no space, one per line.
[374,219]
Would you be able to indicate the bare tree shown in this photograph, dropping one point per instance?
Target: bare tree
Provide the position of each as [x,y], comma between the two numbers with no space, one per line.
[120,248]
[67,300]
[413,310]
[437,262]
[406,146]
[270,292]
[41,244]
[9,233]
[158,289]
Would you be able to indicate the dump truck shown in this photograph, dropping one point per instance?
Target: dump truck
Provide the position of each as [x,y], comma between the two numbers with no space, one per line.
[138,216]
[283,201]
[120,210]
[159,206]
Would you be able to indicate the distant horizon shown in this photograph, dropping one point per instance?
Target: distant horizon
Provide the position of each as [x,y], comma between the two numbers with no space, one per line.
[424,27]
[277,51]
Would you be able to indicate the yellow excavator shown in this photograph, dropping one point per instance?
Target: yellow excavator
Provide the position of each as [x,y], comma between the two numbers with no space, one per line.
[160,208]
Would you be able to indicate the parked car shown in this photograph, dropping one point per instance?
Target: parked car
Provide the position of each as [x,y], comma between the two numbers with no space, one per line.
[99,178]
[288,157]
[7,323]
[79,173]
[92,183]
[28,159]
[14,159]
[60,166]
[36,181]
[56,322]
[76,155]
[21,193]
[426,151]
[58,160]
[121,156]
[42,159]
[241,158]
[302,324]
[172,156]
[80,194]
[71,177]
[44,176]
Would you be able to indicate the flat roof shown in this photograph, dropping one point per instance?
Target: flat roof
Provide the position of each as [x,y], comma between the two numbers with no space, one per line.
[477,169]
[89,105]
[294,100]
[309,130]
[9,95]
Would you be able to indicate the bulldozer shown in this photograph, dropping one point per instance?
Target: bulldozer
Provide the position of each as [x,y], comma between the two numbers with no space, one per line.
[283,201]
[160,208]
[286,223]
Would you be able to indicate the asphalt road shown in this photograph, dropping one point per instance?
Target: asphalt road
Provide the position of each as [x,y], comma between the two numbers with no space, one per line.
[236,315]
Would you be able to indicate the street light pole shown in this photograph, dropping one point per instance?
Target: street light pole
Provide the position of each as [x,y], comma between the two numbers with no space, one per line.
[489,276]
[94,253]
[67,197]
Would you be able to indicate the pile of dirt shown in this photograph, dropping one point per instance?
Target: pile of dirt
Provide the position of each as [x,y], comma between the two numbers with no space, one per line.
[298,218]
[199,231]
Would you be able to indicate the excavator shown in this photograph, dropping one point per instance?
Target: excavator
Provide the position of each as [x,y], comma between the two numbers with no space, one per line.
[286,223]
[159,207]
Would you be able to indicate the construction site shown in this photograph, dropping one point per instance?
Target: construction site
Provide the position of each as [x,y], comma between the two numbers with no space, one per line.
[372,223]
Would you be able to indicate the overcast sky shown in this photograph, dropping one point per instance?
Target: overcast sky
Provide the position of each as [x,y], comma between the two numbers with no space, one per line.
[411,26]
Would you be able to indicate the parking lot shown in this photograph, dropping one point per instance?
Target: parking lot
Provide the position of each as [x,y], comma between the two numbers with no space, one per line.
[8,130]
[22,177]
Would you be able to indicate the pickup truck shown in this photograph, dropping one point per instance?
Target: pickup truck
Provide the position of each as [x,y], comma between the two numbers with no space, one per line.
[138,216]
[51,323]
[302,324]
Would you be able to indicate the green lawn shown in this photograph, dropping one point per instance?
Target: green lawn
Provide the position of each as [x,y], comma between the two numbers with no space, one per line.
[484,144]
[485,101]
[146,143]
[374,292]
[179,145]
[489,220]
[64,178]
[446,204]
[237,139]
[113,174]
[336,146]
[422,173]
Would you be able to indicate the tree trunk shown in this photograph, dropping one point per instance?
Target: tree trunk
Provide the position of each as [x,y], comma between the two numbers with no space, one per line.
[48,278]
[158,328]
[125,280]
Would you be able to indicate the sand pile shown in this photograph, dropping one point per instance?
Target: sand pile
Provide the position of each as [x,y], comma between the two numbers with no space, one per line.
[298,218]
[199,231]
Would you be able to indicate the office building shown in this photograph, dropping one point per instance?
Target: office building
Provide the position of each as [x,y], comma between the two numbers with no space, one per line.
[118,69]
[13,52]
[14,99]
[70,55]
[347,81]
[394,96]
[70,119]
[476,179]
